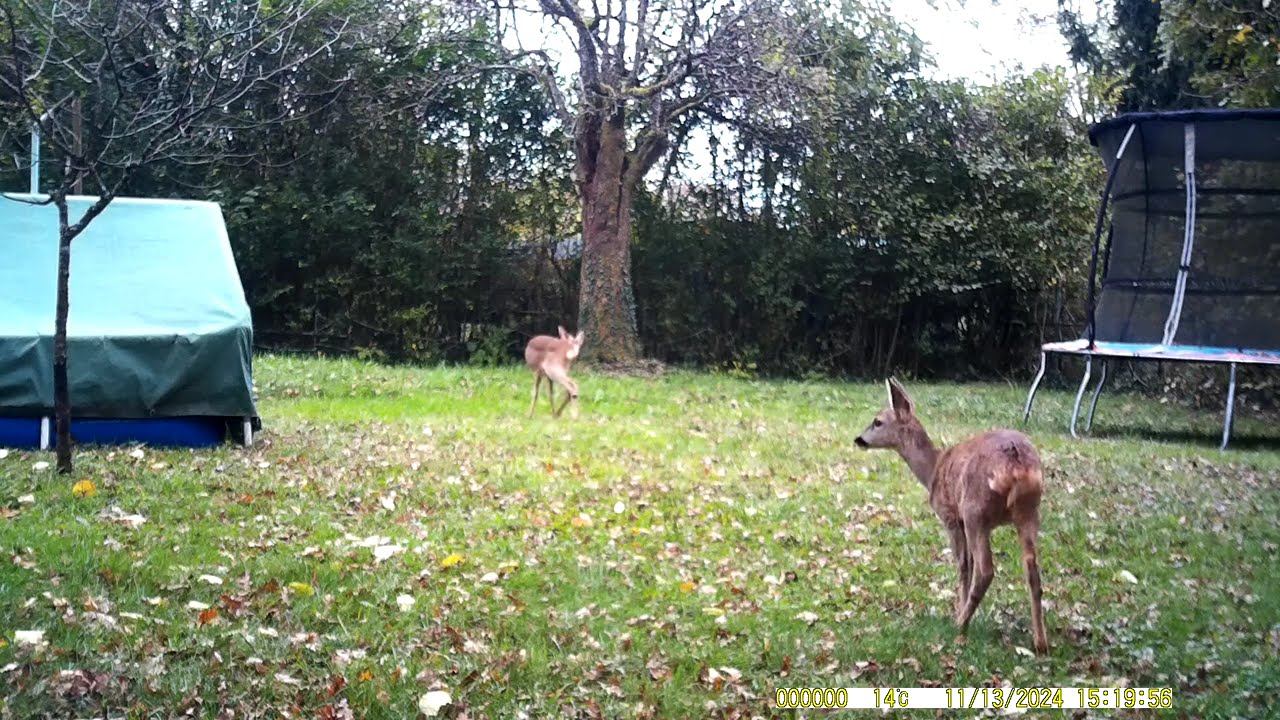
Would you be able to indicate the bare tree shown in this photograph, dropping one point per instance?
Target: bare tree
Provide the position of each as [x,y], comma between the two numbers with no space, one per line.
[645,69]
[121,86]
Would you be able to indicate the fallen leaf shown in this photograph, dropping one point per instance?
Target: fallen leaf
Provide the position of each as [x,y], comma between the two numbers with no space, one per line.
[84,488]
[1128,577]
[211,579]
[28,637]
[405,602]
[431,703]
[197,605]
[658,670]
[336,683]
[385,552]
[286,679]
[71,684]
[807,617]
[450,560]
[116,515]
[688,586]
[40,466]
[207,616]
[301,588]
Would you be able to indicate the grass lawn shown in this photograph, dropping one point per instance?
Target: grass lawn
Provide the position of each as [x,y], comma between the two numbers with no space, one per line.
[685,546]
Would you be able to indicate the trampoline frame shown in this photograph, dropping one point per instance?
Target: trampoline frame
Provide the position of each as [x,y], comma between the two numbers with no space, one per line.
[1105,354]
[1168,349]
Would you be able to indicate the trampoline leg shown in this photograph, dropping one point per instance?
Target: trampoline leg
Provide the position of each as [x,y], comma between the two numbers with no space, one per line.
[248,432]
[1088,424]
[1035,385]
[44,434]
[1231,408]
[1084,383]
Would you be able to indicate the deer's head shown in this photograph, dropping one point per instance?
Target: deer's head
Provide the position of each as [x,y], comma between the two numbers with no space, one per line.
[893,424]
[575,342]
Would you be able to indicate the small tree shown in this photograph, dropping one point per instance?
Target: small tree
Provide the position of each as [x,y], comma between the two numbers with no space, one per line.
[122,86]
[643,71]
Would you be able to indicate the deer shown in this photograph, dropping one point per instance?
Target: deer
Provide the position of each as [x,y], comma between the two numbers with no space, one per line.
[549,358]
[975,486]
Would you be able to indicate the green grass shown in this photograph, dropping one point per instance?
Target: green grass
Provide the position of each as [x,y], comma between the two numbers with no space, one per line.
[679,524]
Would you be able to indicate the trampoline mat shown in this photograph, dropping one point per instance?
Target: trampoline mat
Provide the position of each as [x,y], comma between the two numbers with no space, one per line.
[1148,351]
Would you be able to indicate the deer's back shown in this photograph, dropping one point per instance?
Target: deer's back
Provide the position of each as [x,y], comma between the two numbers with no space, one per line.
[540,347]
[992,475]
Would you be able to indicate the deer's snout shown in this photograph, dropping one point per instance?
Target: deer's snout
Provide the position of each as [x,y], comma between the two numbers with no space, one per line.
[861,443]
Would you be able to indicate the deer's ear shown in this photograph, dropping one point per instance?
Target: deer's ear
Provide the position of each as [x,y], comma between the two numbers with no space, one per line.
[899,400]
[582,334]
[564,335]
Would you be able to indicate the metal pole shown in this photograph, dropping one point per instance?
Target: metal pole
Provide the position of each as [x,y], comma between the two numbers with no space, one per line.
[1093,406]
[1084,382]
[35,159]
[1097,231]
[1231,407]
[1035,385]
[1189,235]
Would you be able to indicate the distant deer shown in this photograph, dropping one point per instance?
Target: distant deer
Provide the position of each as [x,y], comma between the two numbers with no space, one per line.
[986,481]
[550,357]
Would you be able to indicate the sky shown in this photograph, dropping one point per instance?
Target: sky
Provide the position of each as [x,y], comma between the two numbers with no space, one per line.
[977,40]
[982,39]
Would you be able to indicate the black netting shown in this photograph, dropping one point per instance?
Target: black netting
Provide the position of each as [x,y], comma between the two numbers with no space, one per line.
[1232,294]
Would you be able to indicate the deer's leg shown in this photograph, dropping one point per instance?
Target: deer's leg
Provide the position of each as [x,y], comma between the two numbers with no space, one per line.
[573,411]
[979,543]
[537,385]
[964,565]
[551,395]
[1030,562]
[571,388]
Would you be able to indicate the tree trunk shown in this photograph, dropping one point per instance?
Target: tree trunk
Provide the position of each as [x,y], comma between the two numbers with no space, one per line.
[61,389]
[606,302]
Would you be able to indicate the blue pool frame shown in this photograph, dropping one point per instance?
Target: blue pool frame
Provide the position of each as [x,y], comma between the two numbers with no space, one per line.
[194,432]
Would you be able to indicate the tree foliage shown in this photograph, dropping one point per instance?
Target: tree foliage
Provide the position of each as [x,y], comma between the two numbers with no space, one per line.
[889,222]
[1168,54]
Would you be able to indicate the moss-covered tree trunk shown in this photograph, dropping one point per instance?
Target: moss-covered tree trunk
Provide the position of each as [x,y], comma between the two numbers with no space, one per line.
[607,308]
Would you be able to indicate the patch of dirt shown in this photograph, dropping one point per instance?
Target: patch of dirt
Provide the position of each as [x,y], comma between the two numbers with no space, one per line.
[631,368]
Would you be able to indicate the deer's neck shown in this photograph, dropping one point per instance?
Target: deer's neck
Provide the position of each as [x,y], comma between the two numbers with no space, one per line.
[921,456]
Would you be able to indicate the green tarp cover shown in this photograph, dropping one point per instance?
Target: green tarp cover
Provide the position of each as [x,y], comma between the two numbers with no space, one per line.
[158,325]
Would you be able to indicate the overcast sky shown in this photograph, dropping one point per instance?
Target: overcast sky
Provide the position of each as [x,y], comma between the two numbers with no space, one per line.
[975,40]
[982,39]
[978,40]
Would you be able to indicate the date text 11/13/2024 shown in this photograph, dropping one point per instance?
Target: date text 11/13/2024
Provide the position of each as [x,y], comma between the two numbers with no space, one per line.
[998,698]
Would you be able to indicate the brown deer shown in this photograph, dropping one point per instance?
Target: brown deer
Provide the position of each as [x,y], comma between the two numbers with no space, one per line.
[550,357]
[986,481]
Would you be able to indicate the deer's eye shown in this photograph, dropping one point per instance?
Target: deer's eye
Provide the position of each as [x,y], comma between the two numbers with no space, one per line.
[876,423]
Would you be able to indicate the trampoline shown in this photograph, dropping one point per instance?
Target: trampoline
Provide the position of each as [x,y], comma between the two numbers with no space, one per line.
[1190,263]
[159,336]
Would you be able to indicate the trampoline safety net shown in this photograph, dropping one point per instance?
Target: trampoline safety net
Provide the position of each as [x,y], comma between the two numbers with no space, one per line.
[1222,169]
